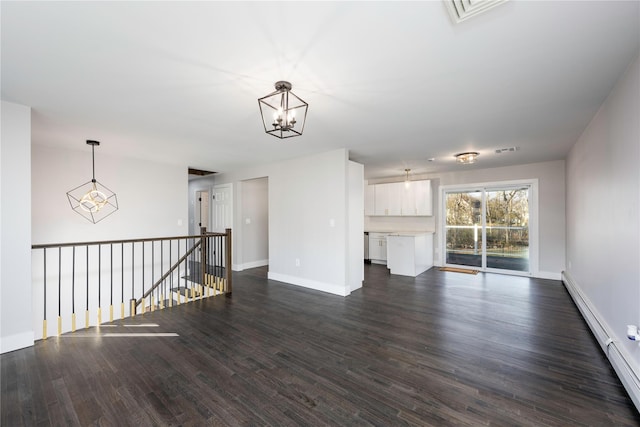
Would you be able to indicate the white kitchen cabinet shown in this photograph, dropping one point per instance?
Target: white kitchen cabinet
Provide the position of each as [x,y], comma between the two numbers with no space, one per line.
[369,200]
[423,198]
[388,199]
[410,254]
[408,202]
[395,199]
[378,247]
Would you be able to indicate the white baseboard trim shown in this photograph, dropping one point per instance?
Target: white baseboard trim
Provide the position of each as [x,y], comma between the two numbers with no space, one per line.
[616,353]
[357,286]
[16,342]
[548,275]
[252,264]
[311,284]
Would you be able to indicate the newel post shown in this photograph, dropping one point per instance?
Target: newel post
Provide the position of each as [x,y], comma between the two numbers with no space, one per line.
[203,256]
[227,267]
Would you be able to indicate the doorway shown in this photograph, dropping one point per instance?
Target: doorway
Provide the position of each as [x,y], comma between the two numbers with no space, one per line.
[222,208]
[201,211]
[488,227]
[253,227]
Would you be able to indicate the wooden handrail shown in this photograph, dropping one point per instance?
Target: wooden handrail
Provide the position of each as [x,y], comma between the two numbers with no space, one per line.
[200,243]
[214,244]
[108,242]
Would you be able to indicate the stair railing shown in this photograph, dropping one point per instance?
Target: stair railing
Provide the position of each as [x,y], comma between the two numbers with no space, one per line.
[66,275]
[210,277]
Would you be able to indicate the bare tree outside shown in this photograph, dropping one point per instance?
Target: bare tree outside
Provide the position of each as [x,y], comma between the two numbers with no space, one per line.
[506,227]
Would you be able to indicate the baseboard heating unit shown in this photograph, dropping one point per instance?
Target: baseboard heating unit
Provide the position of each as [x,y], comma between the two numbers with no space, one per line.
[617,355]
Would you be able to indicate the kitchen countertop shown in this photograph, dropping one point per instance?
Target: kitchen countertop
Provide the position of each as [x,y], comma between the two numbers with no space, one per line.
[409,233]
[402,233]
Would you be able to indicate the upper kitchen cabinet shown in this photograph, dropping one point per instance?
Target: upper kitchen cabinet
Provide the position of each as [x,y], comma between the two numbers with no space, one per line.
[395,199]
[369,200]
[388,199]
[418,199]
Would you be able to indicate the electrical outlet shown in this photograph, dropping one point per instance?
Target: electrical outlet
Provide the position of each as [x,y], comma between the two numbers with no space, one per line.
[297,262]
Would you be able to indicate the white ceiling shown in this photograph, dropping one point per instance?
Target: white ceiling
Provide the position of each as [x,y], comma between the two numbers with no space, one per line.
[396,83]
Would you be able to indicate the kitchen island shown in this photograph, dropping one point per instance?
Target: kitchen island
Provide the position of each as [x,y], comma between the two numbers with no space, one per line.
[409,253]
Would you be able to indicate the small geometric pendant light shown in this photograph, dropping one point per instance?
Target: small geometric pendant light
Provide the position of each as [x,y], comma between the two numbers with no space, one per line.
[283,112]
[93,200]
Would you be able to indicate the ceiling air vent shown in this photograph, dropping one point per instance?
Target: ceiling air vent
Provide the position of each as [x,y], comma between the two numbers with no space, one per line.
[465,9]
[507,150]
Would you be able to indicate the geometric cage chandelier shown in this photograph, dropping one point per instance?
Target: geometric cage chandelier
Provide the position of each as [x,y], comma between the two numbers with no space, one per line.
[92,200]
[283,112]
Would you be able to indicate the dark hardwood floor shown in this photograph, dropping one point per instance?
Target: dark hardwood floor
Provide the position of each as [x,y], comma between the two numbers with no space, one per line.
[441,349]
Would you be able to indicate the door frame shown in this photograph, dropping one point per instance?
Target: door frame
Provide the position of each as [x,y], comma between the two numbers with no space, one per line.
[197,209]
[228,189]
[493,185]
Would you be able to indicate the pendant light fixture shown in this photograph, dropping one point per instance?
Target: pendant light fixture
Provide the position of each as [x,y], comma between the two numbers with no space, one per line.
[283,112]
[407,182]
[93,200]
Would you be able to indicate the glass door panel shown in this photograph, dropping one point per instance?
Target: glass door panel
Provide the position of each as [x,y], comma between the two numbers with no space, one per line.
[464,228]
[507,228]
[488,228]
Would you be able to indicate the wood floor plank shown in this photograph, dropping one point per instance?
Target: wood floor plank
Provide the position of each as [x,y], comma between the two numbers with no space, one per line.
[441,349]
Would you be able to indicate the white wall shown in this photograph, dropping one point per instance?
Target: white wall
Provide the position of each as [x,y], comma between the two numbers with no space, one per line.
[308,222]
[603,202]
[551,208]
[308,219]
[16,330]
[402,223]
[355,202]
[152,199]
[253,224]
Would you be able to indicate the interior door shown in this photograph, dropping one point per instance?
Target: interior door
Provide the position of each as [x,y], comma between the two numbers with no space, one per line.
[222,216]
[222,208]
[202,210]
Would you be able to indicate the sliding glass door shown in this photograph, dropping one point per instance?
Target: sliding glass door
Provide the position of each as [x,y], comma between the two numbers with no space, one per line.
[507,228]
[464,228]
[488,228]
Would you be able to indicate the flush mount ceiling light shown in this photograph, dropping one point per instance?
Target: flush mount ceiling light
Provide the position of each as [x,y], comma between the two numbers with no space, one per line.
[467,158]
[283,112]
[93,200]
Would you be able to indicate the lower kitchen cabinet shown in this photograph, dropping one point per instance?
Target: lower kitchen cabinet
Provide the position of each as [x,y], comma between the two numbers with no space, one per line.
[378,247]
[410,253]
